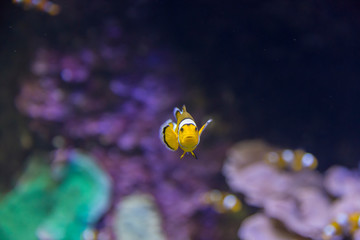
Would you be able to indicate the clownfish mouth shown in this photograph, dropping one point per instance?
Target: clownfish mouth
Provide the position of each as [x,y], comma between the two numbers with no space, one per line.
[189,141]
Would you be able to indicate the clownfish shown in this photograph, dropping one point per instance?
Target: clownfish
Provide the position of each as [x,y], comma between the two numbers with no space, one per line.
[184,133]
[222,202]
[336,228]
[42,5]
[354,222]
[294,160]
[342,225]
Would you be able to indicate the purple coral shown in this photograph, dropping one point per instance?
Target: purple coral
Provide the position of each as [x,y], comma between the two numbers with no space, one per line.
[294,198]
[340,181]
[343,184]
[304,211]
[110,99]
[260,227]
[298,200]
[43,100]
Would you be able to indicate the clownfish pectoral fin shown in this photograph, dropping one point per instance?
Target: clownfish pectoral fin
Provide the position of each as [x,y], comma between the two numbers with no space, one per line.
[182,155]
[204,126]
[194,155]
[168,135]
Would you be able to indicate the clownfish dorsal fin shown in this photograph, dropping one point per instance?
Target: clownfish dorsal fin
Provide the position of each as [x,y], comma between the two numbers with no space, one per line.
[184,108]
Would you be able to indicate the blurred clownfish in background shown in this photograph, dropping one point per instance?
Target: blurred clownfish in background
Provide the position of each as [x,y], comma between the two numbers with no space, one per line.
[336,228]
[42,5]
[222,202]
[343,225]
[295,160]
[184,133]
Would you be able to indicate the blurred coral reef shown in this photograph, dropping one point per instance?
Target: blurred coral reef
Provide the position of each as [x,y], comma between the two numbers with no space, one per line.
[94,80]
[58,204]
[294,204]
[108,99]
[137,218]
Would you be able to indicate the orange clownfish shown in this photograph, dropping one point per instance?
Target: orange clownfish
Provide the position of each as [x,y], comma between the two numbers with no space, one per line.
[295,160]
[336,228]
[184,133]
[42,5]
[342,225]
[222,202]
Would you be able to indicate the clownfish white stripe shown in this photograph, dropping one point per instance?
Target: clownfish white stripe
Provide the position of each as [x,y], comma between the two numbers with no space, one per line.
[186,121]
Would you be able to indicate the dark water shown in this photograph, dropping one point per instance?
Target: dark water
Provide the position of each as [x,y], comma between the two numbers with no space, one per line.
[292,68]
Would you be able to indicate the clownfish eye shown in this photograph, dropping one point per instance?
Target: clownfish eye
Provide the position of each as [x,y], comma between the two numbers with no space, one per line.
[181,129]
[196,128]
